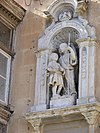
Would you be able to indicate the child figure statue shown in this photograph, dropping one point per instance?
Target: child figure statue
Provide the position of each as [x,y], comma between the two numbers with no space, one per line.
[55,74]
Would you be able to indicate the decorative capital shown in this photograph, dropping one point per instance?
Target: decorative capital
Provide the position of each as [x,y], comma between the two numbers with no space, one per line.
[91,116]
[83,42]
[86,42]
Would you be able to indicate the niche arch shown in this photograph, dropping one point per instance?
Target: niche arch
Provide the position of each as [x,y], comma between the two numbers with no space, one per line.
[44,41]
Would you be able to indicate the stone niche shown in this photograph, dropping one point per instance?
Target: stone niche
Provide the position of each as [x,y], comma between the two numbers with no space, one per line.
[65,98]
[65,71]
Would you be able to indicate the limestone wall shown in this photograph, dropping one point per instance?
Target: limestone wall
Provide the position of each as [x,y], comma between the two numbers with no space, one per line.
[24,71]
[24,67]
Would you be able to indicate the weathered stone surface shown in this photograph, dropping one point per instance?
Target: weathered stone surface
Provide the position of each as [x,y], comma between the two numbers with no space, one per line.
[61,102]
[23,80]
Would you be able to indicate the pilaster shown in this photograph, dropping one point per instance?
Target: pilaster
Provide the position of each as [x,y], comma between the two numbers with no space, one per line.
[86,87]
[41,83]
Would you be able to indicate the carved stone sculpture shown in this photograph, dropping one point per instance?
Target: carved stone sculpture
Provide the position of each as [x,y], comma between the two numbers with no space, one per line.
[68,60]
[56,73]
[65,15]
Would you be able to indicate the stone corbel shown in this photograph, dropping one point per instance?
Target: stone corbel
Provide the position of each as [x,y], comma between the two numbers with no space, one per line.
[36,124]
[91,118]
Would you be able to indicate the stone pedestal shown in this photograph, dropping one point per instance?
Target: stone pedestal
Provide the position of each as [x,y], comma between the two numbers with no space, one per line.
[62,101]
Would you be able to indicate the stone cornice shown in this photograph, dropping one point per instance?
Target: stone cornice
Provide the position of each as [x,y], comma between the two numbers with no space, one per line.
[63,113]
[11,13]
[4,114]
